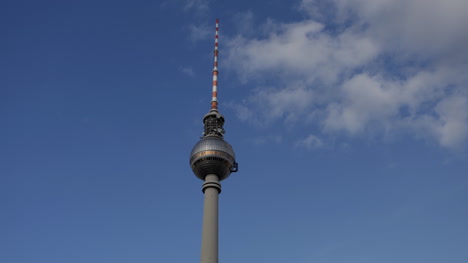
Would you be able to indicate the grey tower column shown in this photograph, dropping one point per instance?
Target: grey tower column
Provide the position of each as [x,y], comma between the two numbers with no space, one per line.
[209,248]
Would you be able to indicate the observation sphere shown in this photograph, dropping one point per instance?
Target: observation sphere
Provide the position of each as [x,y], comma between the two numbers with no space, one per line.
[213,155]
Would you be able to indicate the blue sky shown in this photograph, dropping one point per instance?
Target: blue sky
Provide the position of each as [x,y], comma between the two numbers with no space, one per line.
[349,119]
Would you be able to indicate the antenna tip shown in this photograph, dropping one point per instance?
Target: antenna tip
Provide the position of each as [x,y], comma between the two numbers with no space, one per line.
[217,20]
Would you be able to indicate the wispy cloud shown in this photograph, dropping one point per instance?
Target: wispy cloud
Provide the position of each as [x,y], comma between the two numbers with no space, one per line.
[187,71]
[199,32]
[268,139]
[199,7]
[243,22]
[368,67]
[310,142]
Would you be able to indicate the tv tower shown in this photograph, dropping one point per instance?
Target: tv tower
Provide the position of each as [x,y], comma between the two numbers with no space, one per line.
[212,160]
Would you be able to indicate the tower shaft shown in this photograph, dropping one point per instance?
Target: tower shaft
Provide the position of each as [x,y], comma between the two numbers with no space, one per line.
[209,248]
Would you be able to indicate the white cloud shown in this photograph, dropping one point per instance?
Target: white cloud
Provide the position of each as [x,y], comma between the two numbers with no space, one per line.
[300,49]
[200,7]
[412,27]
[199,32]
[373,66]
[452,125]
[268,104]
[310,142]
[364,100]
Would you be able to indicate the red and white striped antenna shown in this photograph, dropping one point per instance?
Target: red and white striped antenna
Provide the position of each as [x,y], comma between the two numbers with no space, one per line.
[214,98]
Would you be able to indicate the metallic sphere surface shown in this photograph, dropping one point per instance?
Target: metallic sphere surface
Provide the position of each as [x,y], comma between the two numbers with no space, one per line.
[212,155]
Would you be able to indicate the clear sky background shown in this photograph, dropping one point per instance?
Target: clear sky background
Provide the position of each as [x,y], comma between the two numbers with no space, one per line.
[349,119]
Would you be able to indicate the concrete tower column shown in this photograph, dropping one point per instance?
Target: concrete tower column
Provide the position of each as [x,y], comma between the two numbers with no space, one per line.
[209,248]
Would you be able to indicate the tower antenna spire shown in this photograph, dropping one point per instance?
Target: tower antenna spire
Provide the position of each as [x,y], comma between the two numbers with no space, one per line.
[214,97]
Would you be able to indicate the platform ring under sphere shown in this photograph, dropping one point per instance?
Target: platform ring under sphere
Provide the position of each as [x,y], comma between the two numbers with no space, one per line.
[212,155]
